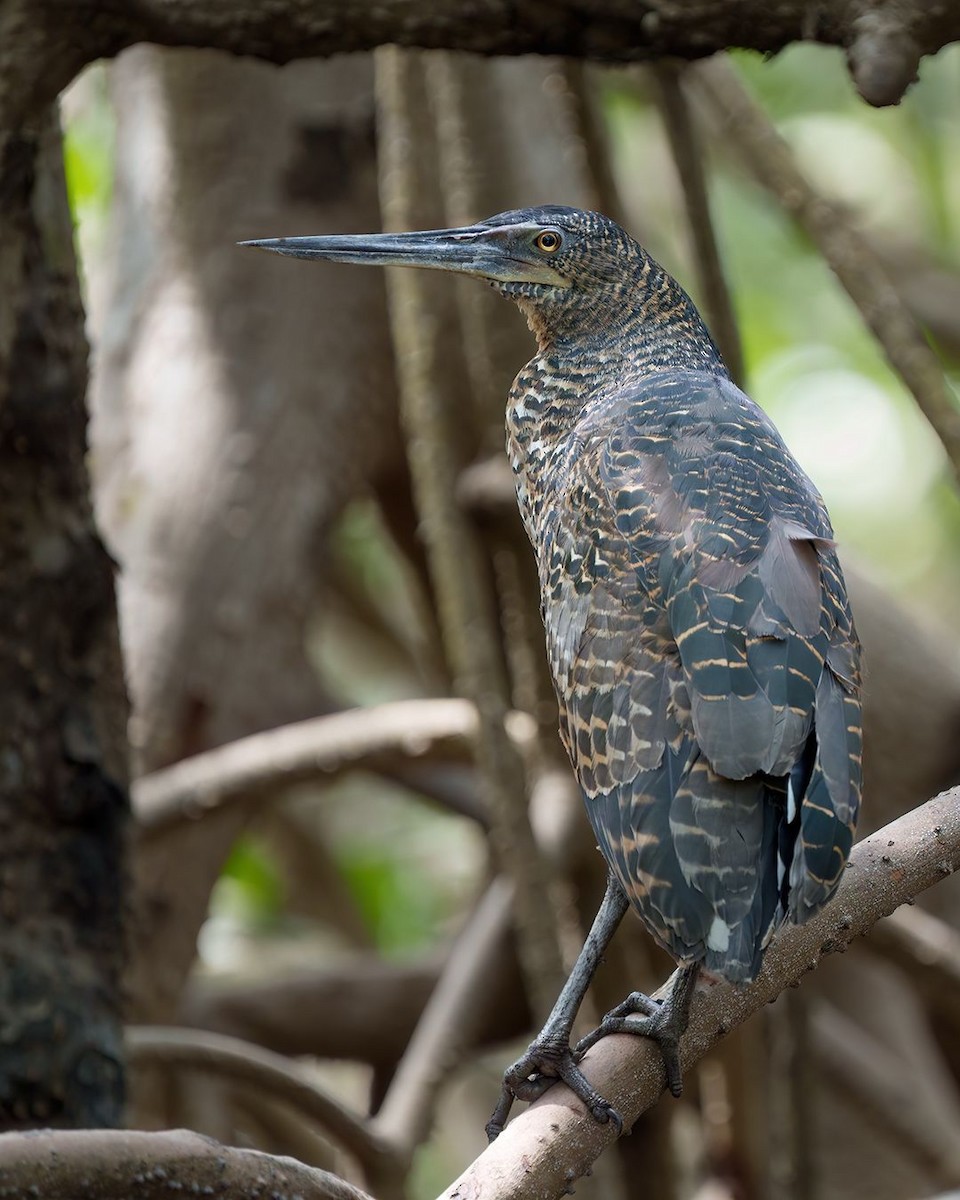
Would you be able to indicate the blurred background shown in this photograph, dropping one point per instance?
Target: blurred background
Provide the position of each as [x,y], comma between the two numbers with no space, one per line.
[280,561]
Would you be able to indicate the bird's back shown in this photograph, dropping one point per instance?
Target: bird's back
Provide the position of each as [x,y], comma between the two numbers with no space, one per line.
[704,656]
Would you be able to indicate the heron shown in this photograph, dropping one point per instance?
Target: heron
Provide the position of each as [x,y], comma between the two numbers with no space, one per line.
[697,624]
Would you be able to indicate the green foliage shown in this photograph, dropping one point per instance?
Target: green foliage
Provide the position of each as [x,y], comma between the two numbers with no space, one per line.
[434,1165]
[251,888]
[813,362]
[408,866]
[399,904]
[88,148]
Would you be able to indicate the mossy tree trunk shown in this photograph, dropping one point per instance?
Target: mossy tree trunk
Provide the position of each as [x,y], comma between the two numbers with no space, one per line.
[63,768]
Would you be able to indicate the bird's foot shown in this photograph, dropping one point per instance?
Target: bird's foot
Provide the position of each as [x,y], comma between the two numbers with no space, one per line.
[548,1059]
[663,1021]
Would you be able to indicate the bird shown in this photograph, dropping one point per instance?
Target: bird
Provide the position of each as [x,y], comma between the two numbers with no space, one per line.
[697,624]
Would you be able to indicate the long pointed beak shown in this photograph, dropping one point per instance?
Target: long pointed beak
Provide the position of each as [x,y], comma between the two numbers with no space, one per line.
[473,250]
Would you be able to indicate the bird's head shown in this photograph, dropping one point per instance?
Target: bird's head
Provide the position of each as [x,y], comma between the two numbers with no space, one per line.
[567,269]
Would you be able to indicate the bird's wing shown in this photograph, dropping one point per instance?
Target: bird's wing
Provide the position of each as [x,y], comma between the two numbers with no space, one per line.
[758,610]
[704,638]
[686,844]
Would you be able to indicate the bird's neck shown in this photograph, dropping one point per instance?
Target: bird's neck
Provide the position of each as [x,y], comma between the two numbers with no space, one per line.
[641,318]
[588,354]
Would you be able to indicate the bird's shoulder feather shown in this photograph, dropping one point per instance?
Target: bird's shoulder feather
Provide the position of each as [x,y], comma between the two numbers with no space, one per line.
[684,519]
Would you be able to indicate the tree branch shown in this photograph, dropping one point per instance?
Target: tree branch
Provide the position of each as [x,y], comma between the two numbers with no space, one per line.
[688,158]
[320,748]
[257,1119]
[588,113]
[546,1148]
[928,949]
[337,1011]
[226,1057]
[451,786]
[114,1164]
[327,1012]
[884,39]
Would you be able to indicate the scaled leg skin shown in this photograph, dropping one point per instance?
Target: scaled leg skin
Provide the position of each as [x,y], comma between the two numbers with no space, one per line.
[665,1022]
[549,1056]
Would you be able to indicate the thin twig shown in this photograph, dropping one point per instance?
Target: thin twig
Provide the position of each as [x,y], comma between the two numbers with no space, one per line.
[688,157]
[320,748]
[770,160]
[230,1058]
[462,586]
[450,1021]
[593,136]
[550,1145]
[115,1164]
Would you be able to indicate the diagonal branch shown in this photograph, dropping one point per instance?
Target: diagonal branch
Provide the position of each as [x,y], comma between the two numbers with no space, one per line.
[847,252]
[688,157]
[928,949]
[874,1080]
[449,1022]
[553,1143]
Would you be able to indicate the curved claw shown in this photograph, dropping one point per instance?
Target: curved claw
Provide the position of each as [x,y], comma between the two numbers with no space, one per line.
[498,1118]
[636,1002]
[538,1069]
[650,1027]
[664,1022]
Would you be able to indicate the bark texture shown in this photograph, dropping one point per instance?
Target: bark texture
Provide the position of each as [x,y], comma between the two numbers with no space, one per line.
[63,769]
[118,1164]
[884,40]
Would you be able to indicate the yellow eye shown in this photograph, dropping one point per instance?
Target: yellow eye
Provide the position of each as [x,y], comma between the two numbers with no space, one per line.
[548,241]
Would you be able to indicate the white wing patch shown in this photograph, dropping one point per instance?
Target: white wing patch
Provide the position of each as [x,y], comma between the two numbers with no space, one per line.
[719,936]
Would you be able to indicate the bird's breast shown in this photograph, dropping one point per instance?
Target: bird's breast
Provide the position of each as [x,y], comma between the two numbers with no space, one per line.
[543,407]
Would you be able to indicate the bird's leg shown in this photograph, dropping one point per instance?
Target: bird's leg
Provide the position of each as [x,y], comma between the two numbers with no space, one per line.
[664,1022]
[549,1056]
